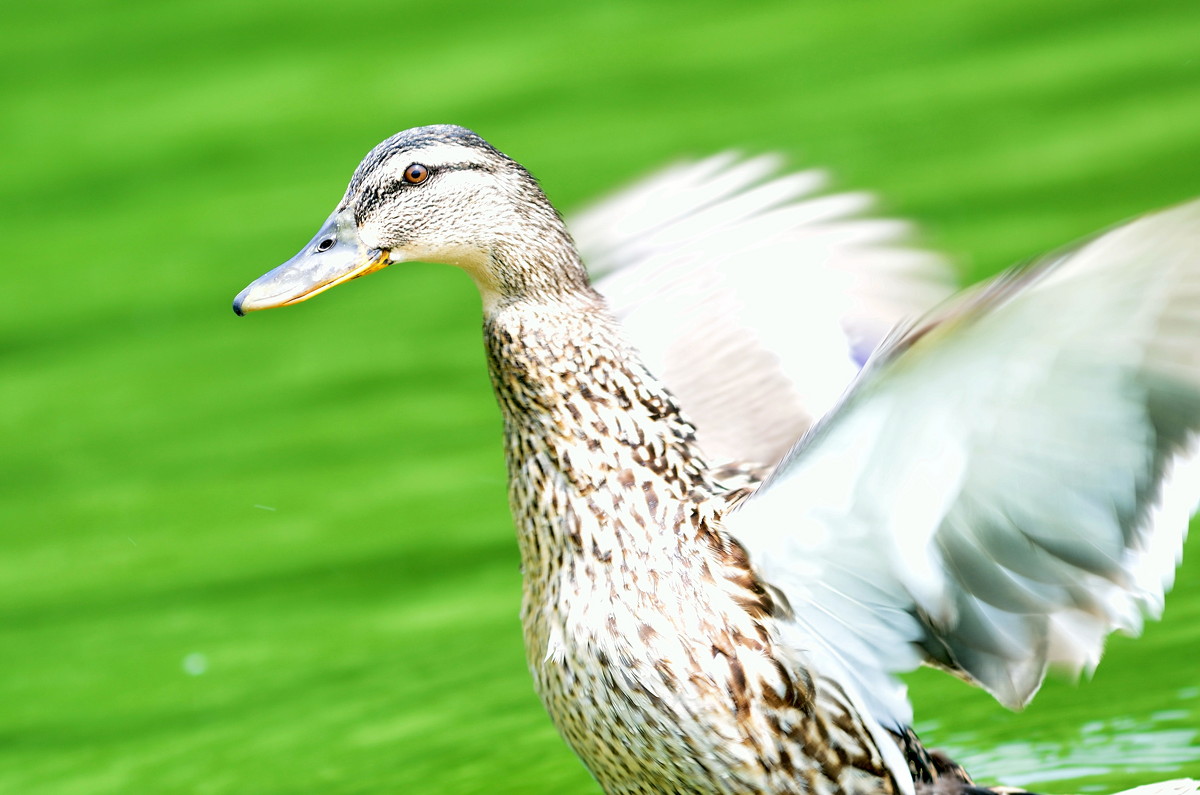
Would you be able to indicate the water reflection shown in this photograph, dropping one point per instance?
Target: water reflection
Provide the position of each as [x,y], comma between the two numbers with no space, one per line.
[1157,746]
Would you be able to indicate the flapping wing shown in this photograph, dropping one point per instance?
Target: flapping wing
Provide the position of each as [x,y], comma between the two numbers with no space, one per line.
[1009,480]
[752,297]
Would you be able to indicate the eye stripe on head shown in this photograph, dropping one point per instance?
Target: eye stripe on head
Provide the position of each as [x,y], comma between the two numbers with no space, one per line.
[436,147]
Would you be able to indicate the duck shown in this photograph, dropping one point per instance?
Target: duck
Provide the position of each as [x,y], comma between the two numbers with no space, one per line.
[763,459]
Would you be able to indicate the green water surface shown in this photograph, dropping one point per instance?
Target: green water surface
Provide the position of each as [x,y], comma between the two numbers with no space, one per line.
[272,555]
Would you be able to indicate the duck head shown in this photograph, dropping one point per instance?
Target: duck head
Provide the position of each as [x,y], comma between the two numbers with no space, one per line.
[432,194]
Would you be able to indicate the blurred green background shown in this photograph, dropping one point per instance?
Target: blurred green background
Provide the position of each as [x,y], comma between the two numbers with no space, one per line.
[273,555]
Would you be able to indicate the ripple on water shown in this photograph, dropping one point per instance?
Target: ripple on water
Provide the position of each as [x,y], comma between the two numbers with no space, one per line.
[1156,745]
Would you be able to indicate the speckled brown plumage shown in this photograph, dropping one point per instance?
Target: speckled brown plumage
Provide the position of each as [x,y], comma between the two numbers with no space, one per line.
[651,641]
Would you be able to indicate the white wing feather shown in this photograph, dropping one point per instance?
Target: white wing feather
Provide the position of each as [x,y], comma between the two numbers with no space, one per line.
[717,267]
[1009,479]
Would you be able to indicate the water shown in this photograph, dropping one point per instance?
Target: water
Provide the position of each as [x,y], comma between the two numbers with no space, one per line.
[1147,748]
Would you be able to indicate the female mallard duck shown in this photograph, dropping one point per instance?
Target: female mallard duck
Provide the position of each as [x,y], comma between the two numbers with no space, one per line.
[717,597]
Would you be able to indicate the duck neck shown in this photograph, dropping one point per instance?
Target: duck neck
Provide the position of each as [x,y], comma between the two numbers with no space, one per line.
[590,436]
[533,260]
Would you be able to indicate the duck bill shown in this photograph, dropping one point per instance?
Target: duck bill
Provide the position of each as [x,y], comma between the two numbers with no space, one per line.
[336,254]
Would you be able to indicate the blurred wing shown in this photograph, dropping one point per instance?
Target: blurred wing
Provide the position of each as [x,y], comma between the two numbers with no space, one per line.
[1009,480]
[755,301]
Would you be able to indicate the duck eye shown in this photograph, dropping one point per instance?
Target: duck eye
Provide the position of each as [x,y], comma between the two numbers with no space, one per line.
[325,244]
[416,174]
